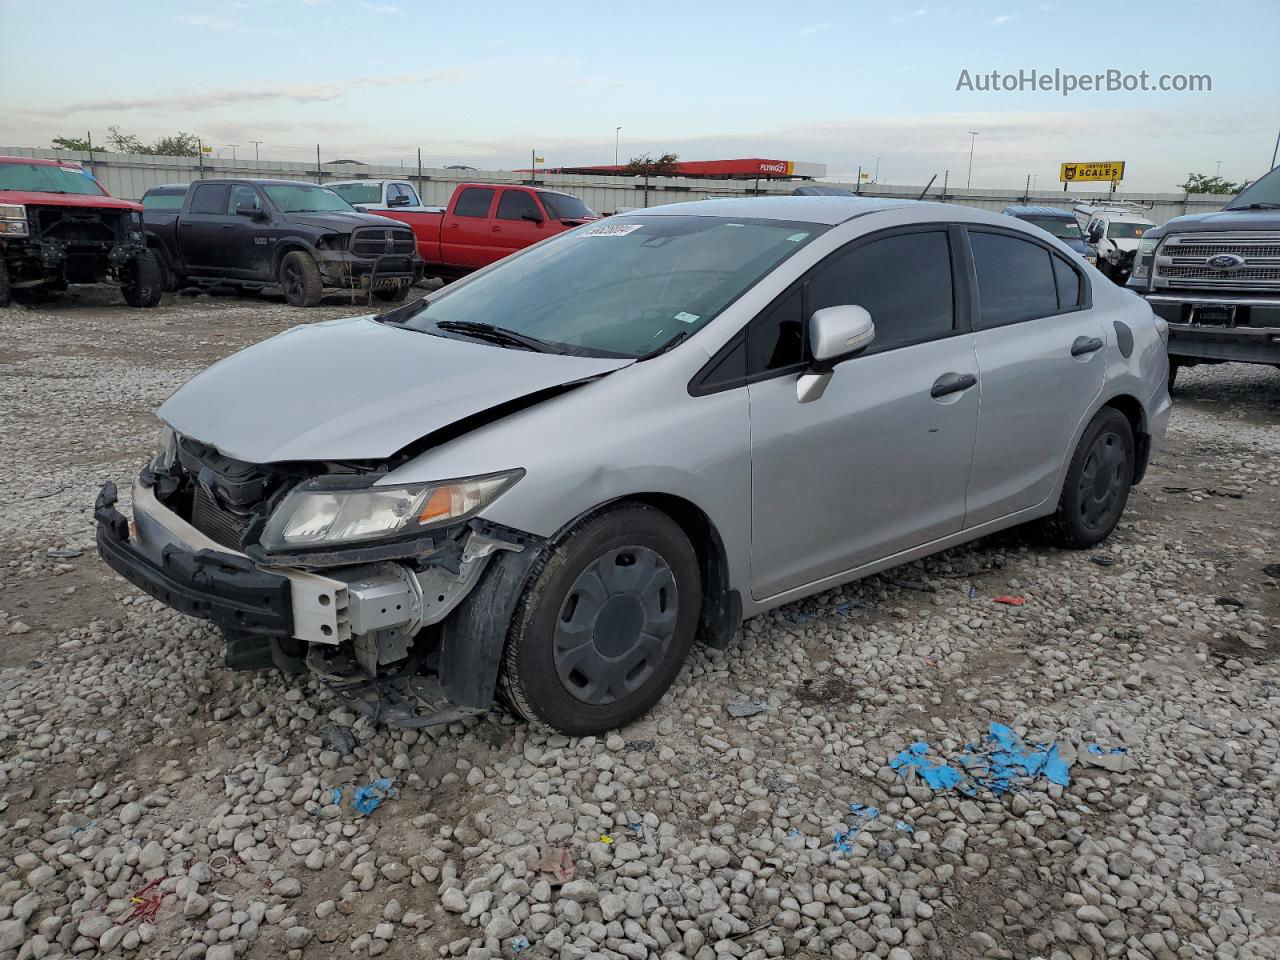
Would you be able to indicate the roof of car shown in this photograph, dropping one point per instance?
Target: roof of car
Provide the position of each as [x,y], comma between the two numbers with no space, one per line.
[827,210]
[263,181]
[41,161]
[1031,210]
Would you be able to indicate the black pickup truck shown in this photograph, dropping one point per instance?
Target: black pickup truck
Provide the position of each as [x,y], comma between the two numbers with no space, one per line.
[255,234]
[1215,277]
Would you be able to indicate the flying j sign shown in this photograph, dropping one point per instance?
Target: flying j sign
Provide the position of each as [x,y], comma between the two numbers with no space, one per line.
[1109,170]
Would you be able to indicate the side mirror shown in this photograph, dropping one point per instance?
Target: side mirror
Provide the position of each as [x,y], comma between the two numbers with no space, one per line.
[361,208]
[400,201]
[835,334]
[250,211]
[532,216]
[1095,233]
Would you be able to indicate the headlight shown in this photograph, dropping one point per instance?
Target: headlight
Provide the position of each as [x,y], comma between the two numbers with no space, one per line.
[330,511]
[13,220]
[166,454]
[1143,258]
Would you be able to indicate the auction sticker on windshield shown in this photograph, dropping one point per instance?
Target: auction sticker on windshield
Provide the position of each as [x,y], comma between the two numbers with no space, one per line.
[611,229]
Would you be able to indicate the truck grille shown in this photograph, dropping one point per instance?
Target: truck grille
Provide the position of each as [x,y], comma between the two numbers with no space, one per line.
[1183,261]
[79,227]
[370,242]
[219,525]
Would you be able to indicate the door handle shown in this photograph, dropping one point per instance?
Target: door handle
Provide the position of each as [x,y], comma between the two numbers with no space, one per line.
[228,226]
[951,383]
[495,229]
[1083,345]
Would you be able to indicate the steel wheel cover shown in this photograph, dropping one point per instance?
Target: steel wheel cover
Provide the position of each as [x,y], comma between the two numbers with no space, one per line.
[1102,480]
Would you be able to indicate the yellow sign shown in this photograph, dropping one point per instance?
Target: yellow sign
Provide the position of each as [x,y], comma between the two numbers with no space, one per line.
[539,159]
[1106,170]
[206,149]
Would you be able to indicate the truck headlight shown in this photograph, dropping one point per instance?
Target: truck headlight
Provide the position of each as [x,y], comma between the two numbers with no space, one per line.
[13,220]
[333,511]
[166,454]
[1143,259]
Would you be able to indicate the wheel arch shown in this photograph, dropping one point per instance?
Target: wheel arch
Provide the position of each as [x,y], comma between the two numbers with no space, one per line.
[1136,414]
[286,246]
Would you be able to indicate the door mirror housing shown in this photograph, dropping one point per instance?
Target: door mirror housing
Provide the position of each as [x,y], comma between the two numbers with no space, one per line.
[250,211]
[360,208]
[532,216]
[838,333]
[398,201]
[1095,233]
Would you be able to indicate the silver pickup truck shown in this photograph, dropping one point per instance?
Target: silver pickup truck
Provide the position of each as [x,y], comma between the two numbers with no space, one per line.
[1215,277]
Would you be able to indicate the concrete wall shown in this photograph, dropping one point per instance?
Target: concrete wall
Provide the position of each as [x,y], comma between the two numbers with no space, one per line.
[127,175]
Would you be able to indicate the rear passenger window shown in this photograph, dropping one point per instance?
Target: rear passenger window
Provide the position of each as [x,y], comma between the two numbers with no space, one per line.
[904,282]
[515,204]
[1015,280]
[1068,281]
[210,198]
[473,202]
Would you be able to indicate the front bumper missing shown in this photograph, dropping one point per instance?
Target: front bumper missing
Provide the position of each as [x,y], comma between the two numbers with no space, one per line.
[341,268]
[363,622]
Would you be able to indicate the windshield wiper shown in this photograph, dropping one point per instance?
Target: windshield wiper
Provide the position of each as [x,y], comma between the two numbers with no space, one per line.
[403,312]
[682,335]
[495,334]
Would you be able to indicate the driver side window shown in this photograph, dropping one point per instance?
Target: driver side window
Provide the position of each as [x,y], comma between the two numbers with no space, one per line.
[242,196]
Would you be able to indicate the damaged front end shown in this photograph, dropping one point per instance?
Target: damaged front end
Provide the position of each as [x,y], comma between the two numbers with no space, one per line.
[398,598]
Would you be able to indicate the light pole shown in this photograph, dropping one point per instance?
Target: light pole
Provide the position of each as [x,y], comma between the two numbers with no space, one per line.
[973,135]
[1218,172]
[256,144]
[617,138]
[875,177]
[233,150]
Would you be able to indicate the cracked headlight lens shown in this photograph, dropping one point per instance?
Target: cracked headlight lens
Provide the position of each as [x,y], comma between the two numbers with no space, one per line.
[329,511]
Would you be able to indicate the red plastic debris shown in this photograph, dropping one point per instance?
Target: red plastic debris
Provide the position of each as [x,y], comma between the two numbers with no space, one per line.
[145,908]
[1011,601]
[556,866]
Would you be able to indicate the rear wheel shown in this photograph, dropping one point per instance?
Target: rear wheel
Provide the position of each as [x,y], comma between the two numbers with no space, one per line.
[300,279]
[606,622]
[1098,482]
[143,284]
[392,294]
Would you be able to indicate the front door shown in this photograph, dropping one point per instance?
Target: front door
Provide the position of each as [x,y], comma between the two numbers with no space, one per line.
[1041,355]
[520,222]
[880,462]
[246,252]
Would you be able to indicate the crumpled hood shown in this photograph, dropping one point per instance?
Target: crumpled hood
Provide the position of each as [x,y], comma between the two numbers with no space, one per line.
[356,390]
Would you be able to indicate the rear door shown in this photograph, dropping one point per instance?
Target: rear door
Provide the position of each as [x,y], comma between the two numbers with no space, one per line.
[1039,348]
[880,462]
[520,222]
[202,226]
[465,236]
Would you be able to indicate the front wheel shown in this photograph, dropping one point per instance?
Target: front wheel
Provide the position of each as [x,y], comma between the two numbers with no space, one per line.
[606,622]
[143,284]
[300,279]
[1098,482]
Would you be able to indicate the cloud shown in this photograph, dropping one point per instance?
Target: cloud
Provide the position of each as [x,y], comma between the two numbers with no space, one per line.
[207,22]
[297,93]
[915,14]
[1004,18]
[814,30]
[380,7]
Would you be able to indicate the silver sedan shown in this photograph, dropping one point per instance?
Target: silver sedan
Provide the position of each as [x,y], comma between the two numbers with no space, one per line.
[547,481]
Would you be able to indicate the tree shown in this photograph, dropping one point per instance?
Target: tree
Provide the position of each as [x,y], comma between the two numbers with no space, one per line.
[181,145]
[70,143]
[647,166]
[1203,183]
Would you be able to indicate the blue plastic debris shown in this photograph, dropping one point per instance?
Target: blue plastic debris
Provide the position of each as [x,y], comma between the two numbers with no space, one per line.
[637,827]
[518,944]
[905,827]
[336,798]
[1105,751]
[865,810]
[993,765]
[844,840]
[365,800]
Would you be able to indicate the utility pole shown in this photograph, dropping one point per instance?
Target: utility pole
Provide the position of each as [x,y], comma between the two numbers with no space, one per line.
[419,173]
[1274,151]
[256,144]
[1026,191]
[1218,172]
[200,156]
[319,175]
[233,151]
[973,135]
[857,187]
[617,138]
[946,175]
[875,177]
[533,167]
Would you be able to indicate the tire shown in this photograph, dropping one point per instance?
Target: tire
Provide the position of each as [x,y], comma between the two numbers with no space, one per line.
[576,658]
[5,291]
[143,284]
[392,294]
[1098,482]
[300,279]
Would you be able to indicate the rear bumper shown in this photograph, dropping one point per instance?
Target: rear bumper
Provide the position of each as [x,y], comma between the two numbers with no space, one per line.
[228,590]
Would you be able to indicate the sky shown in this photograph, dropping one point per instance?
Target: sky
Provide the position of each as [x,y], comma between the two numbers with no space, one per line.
[853,85]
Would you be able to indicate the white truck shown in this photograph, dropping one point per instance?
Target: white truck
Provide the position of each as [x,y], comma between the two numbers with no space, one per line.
[379,195]
[1114,229]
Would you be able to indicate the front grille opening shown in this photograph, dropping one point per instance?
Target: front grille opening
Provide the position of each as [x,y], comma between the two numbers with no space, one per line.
[221,526]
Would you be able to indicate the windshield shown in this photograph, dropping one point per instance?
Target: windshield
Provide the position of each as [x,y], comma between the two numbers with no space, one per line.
[1265,190]
[355,193]
[1063,229]
[564,207]
[1121,230]
[302,198]
[48,179]
[624,286]
[163,199]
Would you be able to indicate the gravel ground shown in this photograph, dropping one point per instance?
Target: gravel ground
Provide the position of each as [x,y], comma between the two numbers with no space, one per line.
[154,804]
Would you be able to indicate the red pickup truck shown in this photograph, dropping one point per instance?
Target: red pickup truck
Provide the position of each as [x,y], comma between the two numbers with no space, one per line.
[482,223]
